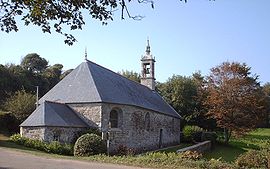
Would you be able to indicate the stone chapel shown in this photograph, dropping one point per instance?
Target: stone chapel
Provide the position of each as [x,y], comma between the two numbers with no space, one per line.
[91,96]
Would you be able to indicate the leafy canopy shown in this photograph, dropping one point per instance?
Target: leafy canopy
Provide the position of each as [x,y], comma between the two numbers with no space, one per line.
[21,104]
[235,98]
[56,14]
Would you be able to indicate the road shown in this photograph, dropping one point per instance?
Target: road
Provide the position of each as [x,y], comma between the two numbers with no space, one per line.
[10,159]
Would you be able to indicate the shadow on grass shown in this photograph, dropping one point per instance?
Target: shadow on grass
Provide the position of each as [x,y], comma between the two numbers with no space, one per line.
[227,153]
[9,144]
[244,145]
[259,137]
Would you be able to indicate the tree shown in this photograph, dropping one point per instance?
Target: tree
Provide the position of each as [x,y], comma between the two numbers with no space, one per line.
[182,94]
[34,63]
[21,104]
[131,75]
[53,74]
[55,15]
[266,90]
[235,98]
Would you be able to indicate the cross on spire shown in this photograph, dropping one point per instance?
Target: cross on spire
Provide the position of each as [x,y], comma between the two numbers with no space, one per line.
[148,47]
[85,54]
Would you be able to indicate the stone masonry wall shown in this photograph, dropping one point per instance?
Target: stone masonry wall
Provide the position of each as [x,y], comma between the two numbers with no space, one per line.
[90,113]
[140,132]
[33,132]
[66,134]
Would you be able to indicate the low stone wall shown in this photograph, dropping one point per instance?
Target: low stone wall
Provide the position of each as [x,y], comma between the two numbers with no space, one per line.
[200,147]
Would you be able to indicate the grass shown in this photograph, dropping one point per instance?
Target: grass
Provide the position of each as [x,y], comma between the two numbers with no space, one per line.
[164,158]
[252,141]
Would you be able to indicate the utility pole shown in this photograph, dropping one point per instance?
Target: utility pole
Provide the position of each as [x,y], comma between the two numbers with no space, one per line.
[37,97]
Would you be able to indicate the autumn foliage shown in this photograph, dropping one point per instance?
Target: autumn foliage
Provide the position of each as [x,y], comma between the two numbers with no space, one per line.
[235,98]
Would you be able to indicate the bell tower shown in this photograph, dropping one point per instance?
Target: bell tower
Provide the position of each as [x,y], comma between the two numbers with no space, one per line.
[148,68]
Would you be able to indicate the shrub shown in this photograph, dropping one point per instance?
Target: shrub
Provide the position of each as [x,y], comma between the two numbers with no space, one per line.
[124,150]
[89,144]
[253,159]
[89,131]
[212,136]
[53,147]
[8,122]
[192,133]
[191,155]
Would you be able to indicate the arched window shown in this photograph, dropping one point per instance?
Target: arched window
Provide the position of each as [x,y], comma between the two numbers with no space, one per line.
[114,119]
[147,121]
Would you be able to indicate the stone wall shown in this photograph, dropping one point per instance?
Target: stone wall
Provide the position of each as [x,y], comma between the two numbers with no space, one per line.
[37,133]
[48,134]
[141,129]
[66,134]
[200,147]
[90,113]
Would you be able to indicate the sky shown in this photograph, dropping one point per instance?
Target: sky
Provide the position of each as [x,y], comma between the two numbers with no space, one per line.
[184,38]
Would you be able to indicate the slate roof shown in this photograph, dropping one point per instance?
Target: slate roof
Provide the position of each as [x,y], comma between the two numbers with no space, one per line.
[54,114]
[92,83]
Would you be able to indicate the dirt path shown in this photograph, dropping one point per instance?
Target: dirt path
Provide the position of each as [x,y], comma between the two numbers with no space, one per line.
[10,159]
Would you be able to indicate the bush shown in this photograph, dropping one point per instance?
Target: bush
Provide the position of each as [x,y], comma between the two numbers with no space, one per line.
[191,155]
[89,131]
[53,147]
[211,136]
[124,150]
[8,123]
[89,144]
[192,133]
[254,159]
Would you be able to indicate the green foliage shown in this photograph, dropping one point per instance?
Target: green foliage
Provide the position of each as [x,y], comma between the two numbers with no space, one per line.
[95,131]
[89,144]
[186,96]
[60,15]
[33,71]
[124,150]
[131,75]
[191,155]
[254,159]
[21,104]
[211,136]
[54,147]
[192,133]
[34,63]
[8,123]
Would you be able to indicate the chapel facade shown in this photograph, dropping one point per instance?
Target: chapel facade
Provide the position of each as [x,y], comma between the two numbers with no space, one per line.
[91,96]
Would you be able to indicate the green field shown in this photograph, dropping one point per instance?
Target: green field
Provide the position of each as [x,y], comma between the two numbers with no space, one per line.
[252,141]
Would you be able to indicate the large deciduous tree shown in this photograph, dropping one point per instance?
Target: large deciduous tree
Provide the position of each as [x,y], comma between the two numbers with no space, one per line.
[56,14]
[235,98]
[21,104]
[185,95]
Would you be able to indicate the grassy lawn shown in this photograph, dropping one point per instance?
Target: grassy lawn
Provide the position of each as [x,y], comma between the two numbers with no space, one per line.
[253,140]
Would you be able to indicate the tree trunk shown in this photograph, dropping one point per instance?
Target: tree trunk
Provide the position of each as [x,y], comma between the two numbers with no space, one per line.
[226,136]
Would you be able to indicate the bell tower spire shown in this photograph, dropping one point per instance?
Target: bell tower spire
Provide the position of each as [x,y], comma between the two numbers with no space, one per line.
[148,68]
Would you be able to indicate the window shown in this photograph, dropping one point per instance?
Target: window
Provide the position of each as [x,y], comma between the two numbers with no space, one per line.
[114,119]
[56,136]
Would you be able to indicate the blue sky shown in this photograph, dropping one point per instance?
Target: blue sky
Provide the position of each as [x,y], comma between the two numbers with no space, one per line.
[184,38]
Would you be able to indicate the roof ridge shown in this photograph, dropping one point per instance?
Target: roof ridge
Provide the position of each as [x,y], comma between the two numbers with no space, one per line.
[90,72]
[120,75]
